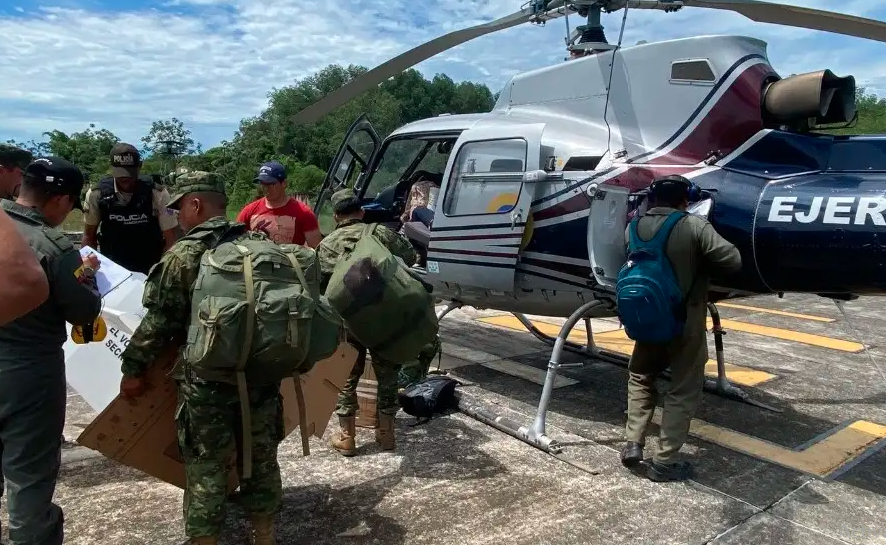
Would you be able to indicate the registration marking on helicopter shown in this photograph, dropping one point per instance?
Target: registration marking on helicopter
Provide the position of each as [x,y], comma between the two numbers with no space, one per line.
[617,341]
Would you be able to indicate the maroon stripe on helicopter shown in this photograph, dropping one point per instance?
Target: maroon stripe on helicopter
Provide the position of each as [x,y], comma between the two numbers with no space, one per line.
[565,268]
[574,203]
[634,178]
[741,101]
[477,253]
[475,237]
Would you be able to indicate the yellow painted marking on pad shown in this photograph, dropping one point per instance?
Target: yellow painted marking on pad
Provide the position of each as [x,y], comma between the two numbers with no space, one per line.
[617,341]
[822,458]
[777,312]
[790,335]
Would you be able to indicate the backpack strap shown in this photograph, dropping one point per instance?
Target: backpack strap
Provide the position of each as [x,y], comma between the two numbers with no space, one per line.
[664,232]
[661,236]
[302,414]
[299,393]
[368,229]
[298,272]
[245,415]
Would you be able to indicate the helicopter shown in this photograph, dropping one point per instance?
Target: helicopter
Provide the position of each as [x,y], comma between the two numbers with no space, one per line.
[535,195]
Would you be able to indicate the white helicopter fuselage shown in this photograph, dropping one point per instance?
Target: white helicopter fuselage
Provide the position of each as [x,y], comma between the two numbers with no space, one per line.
[511,224]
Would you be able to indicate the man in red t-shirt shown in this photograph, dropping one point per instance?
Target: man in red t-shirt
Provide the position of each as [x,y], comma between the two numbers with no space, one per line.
[283,218]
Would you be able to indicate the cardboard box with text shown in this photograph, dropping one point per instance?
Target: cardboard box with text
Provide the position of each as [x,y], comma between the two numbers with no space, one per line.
[141,434]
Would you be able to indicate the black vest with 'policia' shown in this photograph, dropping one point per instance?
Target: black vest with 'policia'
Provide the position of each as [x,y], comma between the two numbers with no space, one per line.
[129,233]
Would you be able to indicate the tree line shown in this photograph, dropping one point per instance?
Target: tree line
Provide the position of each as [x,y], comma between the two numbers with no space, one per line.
[308,150]
[305,150]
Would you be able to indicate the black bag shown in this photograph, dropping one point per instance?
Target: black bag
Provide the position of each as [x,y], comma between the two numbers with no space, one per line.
[435,394]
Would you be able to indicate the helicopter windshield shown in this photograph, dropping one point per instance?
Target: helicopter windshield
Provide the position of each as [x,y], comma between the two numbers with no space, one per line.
[397,158]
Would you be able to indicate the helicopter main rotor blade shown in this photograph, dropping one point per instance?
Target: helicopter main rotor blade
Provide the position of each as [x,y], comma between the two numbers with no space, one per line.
[796,16]
[406,60]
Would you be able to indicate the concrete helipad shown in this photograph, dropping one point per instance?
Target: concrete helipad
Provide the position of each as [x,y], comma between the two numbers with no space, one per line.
[814,474]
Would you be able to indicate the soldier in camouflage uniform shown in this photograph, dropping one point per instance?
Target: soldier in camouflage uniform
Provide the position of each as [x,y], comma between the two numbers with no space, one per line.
[13,161]
[208,413]
[336,246]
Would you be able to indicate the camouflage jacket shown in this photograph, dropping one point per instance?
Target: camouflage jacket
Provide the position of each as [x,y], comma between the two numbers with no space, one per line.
[340,243]
[167,295]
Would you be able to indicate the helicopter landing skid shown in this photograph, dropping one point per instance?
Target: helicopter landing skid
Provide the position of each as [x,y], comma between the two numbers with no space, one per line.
[721,386]
[535,433]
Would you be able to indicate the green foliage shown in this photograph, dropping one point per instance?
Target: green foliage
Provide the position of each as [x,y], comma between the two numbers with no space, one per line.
[307,150]
[871,114]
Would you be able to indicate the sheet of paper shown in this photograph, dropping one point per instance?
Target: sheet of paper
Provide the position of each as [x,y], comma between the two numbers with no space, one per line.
[110,275]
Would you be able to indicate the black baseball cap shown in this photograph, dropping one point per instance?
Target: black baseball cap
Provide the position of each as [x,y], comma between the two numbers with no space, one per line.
[271,172]
[58,176]
[15,155]
[126,161]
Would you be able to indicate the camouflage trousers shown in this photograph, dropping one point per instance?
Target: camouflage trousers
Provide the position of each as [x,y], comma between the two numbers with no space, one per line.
[210,431]
[417,370]
[386,375]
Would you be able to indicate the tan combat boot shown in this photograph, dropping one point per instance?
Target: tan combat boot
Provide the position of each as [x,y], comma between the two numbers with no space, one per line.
[263,530]
[345,440]
[204,540]
[384,435]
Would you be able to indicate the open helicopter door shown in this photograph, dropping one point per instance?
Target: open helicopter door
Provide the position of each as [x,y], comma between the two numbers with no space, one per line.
[606,232]
[351,162]
[487,191]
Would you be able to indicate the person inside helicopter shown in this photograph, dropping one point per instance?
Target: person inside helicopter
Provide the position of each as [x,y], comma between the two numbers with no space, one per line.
[418,213]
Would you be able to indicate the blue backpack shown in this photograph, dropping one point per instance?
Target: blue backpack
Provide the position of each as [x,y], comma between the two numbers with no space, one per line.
[650,302]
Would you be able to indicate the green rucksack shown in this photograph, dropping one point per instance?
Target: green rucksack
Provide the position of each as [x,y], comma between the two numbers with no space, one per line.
[257,319]
[383,304]
[327,331]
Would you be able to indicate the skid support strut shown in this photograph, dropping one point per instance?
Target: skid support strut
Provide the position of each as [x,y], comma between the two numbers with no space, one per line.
[719,386]
[535,434]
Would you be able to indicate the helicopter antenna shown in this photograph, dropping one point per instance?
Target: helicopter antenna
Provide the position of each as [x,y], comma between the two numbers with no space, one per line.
[621,34]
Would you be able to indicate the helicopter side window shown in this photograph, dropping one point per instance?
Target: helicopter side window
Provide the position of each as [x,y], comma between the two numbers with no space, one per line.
[692,71]
[486,178]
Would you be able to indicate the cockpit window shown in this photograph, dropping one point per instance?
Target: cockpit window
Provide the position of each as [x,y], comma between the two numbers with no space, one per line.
[398,156]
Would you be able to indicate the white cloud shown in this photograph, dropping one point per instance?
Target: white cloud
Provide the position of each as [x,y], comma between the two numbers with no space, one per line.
[212,62]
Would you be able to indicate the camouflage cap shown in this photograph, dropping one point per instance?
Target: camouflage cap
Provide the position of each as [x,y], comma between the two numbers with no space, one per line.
[14,155]
[196,182]
[342,197]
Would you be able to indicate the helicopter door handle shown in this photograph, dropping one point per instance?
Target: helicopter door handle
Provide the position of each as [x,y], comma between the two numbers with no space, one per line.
[516,217]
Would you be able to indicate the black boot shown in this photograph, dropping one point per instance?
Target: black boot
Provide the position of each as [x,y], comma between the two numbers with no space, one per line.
[677,471]
[631,454]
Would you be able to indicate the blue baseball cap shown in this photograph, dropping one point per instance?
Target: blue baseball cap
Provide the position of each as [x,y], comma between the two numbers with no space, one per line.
[271,172]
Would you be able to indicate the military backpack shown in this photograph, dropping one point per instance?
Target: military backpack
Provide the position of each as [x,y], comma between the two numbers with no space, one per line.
[383,304]
[257,317]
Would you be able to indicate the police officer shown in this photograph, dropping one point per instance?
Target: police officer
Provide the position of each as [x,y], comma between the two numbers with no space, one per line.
[33,391]
[340,242]
[208,413]
[126,216]
[12,161]
[696,252]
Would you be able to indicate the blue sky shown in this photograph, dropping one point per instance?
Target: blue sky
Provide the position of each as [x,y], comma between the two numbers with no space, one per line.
[121,64]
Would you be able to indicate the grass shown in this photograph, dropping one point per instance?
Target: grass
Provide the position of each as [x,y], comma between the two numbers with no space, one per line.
[74,221]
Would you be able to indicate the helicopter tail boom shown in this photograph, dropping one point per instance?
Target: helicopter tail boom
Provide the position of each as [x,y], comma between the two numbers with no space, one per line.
[814,223]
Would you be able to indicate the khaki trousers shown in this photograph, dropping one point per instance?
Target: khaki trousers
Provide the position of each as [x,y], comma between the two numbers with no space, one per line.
[686,358]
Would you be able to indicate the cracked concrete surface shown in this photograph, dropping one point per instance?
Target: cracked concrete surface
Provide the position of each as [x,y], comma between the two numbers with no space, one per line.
[456,480]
